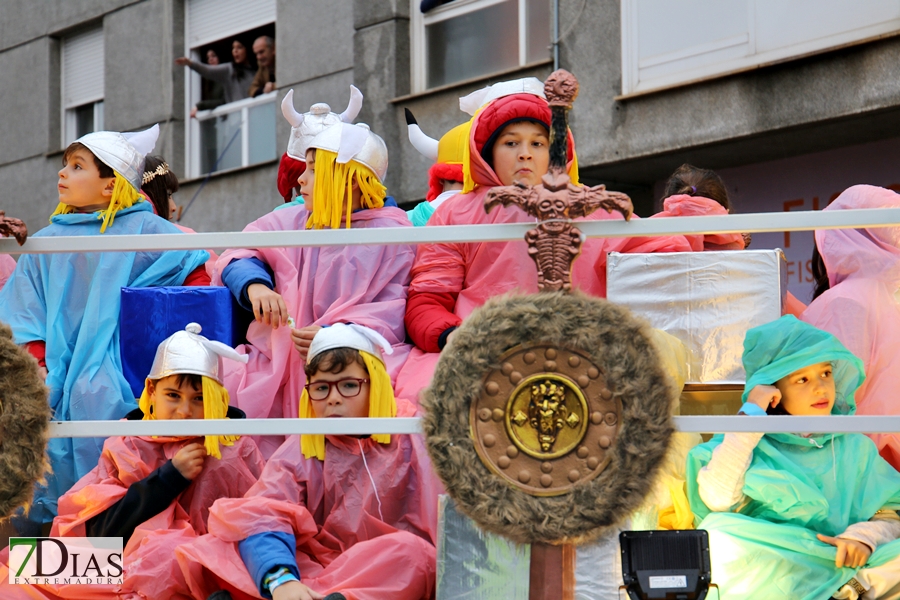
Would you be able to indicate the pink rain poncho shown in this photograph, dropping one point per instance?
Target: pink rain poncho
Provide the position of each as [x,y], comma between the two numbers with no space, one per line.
[150,568]
[364,519]
[861,308]
[475,272]
[7,266]
[683,205]
[365,285]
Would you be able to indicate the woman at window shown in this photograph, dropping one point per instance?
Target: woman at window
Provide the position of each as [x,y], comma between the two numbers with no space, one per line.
[235,77]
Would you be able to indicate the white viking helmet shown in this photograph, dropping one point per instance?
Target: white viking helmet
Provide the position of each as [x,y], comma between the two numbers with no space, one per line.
[123,152]
[348,335]
[189,352]
[528,85]
[306,126]
[355,142]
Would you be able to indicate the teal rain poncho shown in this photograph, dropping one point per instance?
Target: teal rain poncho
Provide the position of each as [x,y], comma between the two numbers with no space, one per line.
[71,301]
[795,486]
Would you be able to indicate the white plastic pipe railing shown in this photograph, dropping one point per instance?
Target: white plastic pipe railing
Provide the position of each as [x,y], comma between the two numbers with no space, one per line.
[749,223]
[407,425]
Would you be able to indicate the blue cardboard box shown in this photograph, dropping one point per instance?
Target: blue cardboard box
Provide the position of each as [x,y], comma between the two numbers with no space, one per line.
[150,315]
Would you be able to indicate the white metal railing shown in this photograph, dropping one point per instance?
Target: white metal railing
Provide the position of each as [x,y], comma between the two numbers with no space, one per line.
[749,223]
[407,425]
[237,134]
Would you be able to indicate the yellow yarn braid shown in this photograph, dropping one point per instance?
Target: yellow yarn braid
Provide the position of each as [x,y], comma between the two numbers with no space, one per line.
[381,405]
[124,196]
[333,190]
[215,406]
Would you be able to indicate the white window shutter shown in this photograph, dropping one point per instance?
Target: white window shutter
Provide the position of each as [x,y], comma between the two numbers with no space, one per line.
[83,68]
[212,20]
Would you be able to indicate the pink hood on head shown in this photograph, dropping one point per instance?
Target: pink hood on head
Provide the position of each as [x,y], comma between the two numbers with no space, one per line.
[683,205]
[870,253]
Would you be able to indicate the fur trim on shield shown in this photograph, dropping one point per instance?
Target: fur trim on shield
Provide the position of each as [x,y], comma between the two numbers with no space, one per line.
[24,419]
[440,172]
[620,345]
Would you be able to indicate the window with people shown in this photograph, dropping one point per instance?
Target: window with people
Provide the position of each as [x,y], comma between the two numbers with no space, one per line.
[232,109]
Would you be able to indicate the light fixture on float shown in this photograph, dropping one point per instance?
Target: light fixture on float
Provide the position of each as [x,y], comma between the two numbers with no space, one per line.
[666,565]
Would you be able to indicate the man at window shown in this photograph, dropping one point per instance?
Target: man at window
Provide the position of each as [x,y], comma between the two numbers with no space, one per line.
[264,81]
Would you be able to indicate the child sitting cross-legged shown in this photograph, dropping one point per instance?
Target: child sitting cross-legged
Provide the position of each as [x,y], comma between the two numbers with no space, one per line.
[155,491]
[332,516]
[791,515]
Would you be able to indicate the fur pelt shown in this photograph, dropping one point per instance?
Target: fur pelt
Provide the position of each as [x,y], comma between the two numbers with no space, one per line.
[620,345]
[24,420]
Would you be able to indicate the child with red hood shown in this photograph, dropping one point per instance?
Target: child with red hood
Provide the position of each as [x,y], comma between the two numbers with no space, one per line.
[508,143]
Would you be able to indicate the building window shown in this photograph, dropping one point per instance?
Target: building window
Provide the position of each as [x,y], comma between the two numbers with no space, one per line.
[82,84]
[226,135]
[667,44]
[464,39]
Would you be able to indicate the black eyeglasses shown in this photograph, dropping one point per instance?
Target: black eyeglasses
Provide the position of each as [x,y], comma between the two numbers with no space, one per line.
[348,388]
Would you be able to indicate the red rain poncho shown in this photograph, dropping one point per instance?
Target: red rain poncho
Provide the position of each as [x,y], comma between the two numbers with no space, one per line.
[861,308]
[150,568]
[343,543]
[462,277]
[365,285]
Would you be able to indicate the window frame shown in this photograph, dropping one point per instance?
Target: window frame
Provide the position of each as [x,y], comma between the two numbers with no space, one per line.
[457,8]
[634,85]
[192,95]
[68,133]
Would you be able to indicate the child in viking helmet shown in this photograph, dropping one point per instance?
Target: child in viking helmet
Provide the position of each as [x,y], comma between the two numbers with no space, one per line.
[304,127]
[331,517]
[65,307]
[445,176]
[155,491]
[342,187]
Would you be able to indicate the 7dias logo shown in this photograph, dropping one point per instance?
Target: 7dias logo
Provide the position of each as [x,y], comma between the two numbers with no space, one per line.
[65,561]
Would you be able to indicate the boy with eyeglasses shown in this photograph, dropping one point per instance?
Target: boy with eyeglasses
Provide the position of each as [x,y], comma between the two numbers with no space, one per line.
[332,517]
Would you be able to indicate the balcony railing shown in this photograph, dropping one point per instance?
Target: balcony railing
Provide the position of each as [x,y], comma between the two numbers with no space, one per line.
[234,135]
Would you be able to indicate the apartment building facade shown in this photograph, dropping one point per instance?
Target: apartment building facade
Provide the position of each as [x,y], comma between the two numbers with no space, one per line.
[790,102]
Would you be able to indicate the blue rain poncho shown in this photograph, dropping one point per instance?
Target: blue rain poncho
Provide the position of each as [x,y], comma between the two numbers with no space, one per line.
[71,302]
[796,486]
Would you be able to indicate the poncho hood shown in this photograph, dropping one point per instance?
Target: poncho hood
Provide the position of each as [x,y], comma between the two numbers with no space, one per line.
[870,253]
[97,216]
[779,348]
[492,118]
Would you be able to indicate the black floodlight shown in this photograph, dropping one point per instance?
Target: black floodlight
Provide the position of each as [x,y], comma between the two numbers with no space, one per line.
[665,565]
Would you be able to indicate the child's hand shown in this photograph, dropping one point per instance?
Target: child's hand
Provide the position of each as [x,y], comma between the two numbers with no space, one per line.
[764,396]
[189,460]
[303,337]
[294,590]
[268,305]
[850,553]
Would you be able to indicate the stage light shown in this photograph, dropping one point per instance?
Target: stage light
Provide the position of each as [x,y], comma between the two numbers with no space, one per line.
[665,565]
